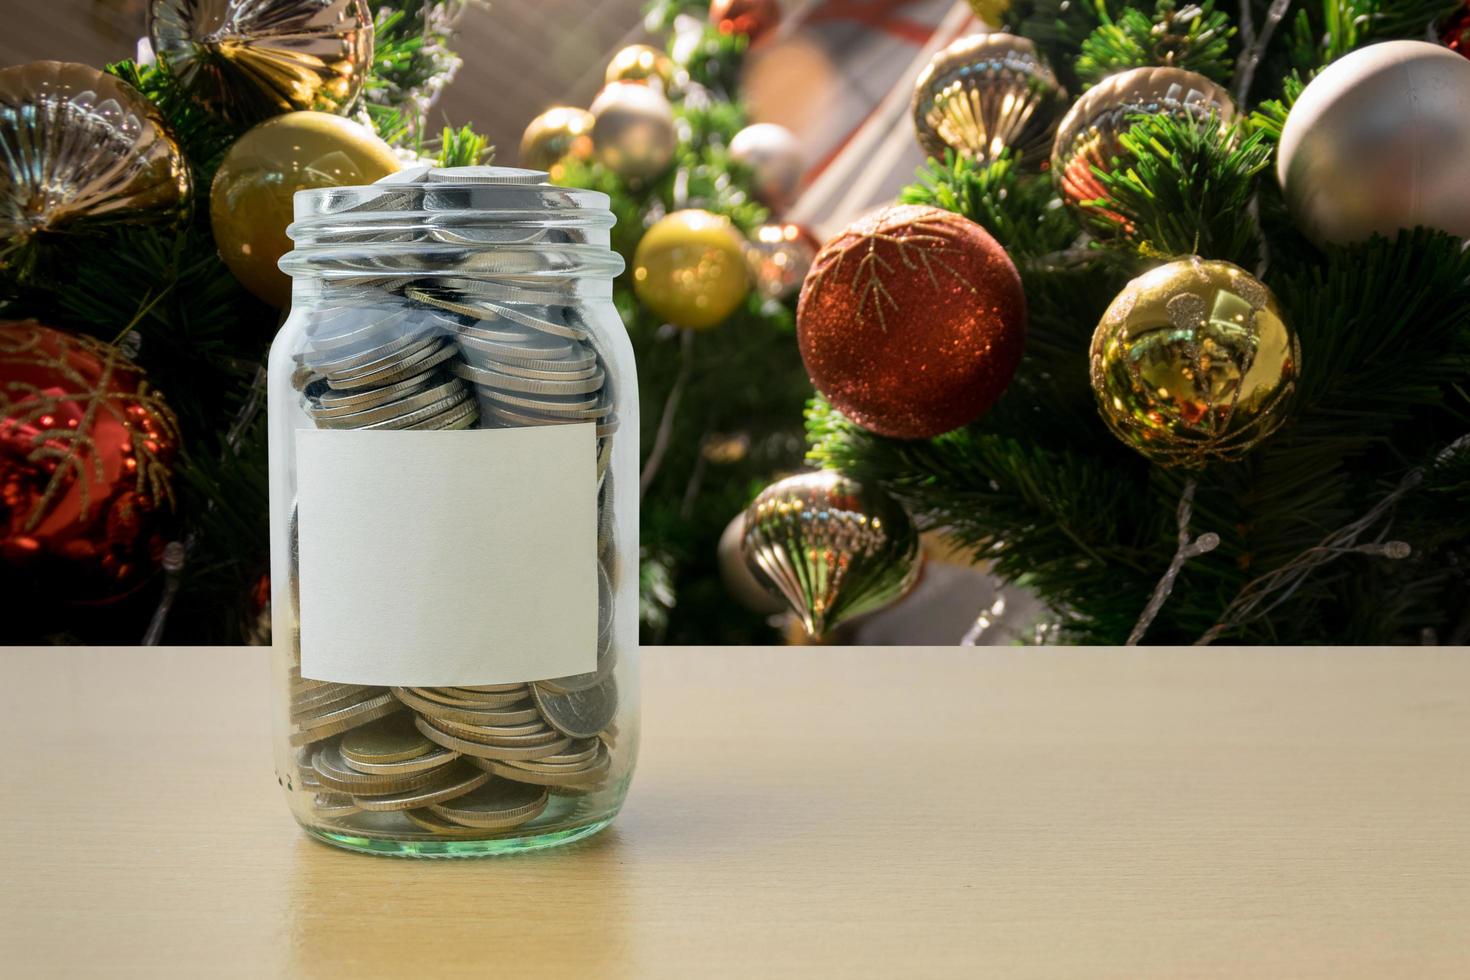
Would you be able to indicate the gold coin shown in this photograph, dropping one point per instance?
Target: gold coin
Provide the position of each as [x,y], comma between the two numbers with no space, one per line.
[496,805]
[445,696]
[507,715]
[394,739]
[333,805]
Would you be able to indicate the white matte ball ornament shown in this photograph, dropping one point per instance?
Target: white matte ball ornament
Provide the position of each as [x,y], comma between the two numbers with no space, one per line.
[773,155]
[633,130]
[1378,142]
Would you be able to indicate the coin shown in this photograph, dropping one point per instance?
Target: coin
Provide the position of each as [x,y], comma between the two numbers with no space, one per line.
[337,722]
[496,805]
[454,781]
[531,386]
[456,697]
[580,714]
[429,760]
[429,820]
[394,739]
[486,175]
[451,390]
[336,774]
[483,751]
[332,806]
[519,713]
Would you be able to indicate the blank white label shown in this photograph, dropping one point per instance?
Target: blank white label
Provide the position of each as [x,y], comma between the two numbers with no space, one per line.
[439,558]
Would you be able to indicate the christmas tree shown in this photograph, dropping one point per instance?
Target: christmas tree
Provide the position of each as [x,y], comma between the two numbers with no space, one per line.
[721,395]
[1334,508]
[114,249]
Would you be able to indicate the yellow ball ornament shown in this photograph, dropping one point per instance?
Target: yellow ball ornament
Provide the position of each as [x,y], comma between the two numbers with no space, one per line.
[1193,363]
[250,199]
[560,133]
[641,63]
[690,269]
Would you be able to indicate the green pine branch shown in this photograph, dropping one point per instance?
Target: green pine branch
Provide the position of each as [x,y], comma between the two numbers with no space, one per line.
[1197,38]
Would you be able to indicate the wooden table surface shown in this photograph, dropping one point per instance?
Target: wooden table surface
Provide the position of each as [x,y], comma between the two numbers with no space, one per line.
[797,813]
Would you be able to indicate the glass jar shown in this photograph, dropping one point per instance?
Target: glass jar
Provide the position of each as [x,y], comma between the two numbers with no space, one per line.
[454,516]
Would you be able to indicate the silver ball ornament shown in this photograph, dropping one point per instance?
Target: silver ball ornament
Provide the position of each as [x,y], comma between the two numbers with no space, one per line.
[773,155]
[633,130]
[1378,142]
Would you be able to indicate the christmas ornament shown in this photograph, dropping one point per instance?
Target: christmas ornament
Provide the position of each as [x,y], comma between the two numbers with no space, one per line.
[773,155]
[641,63]
[779,255]
[689,268]
[740,581]
[633,130]
[81,148]
[1378,142]
[991,12]
[1454,30]
[753,18]
[830,547]
[87,451]
[1089,136]
[251,59]
[250,200]
[984,94]
[912,321]
[1193,363]
[559,133]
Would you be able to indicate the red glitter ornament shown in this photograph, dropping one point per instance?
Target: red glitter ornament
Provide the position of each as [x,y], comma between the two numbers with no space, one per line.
[86,456]
[753,18]
[1454,30]
[912,321]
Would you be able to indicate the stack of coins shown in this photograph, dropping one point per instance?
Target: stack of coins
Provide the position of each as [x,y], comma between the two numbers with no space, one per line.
[432,350]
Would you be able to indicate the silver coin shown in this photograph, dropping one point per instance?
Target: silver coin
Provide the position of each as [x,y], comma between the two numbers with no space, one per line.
[524,733]
[463,416]
[393,341]
[332,806]
[530,386]
[461,697]
[344,720]
[468,716]
[414,174]
[335,774]
[427,819]
[485,175]
[567,405]
[423,415]
[497,805]
[342,402]
[478,750]
[396,368]
[579,714]
[452,781]
[368,417]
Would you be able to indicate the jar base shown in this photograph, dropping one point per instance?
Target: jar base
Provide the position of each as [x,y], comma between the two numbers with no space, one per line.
[432,849]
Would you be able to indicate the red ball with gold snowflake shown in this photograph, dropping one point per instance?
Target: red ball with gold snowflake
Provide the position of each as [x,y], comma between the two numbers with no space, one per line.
[912,321]
[86,467]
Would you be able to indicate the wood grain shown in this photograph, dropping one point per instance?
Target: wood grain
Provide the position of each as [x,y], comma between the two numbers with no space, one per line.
[797,813]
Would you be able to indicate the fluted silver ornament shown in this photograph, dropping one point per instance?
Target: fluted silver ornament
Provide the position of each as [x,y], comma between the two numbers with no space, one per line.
[79,147]
[1089,136]
[830,547]
[986,93]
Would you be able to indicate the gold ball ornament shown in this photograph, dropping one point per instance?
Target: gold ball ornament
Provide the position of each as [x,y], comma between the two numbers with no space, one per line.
[633,130]
[832,548]
[1089,136]
[689,268]
[773,154]
[558,134]
[1378,142]
[780,255]
[641,63]
[81,148]
[248,60]
[986,93]
[250,200]
[1193,363]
